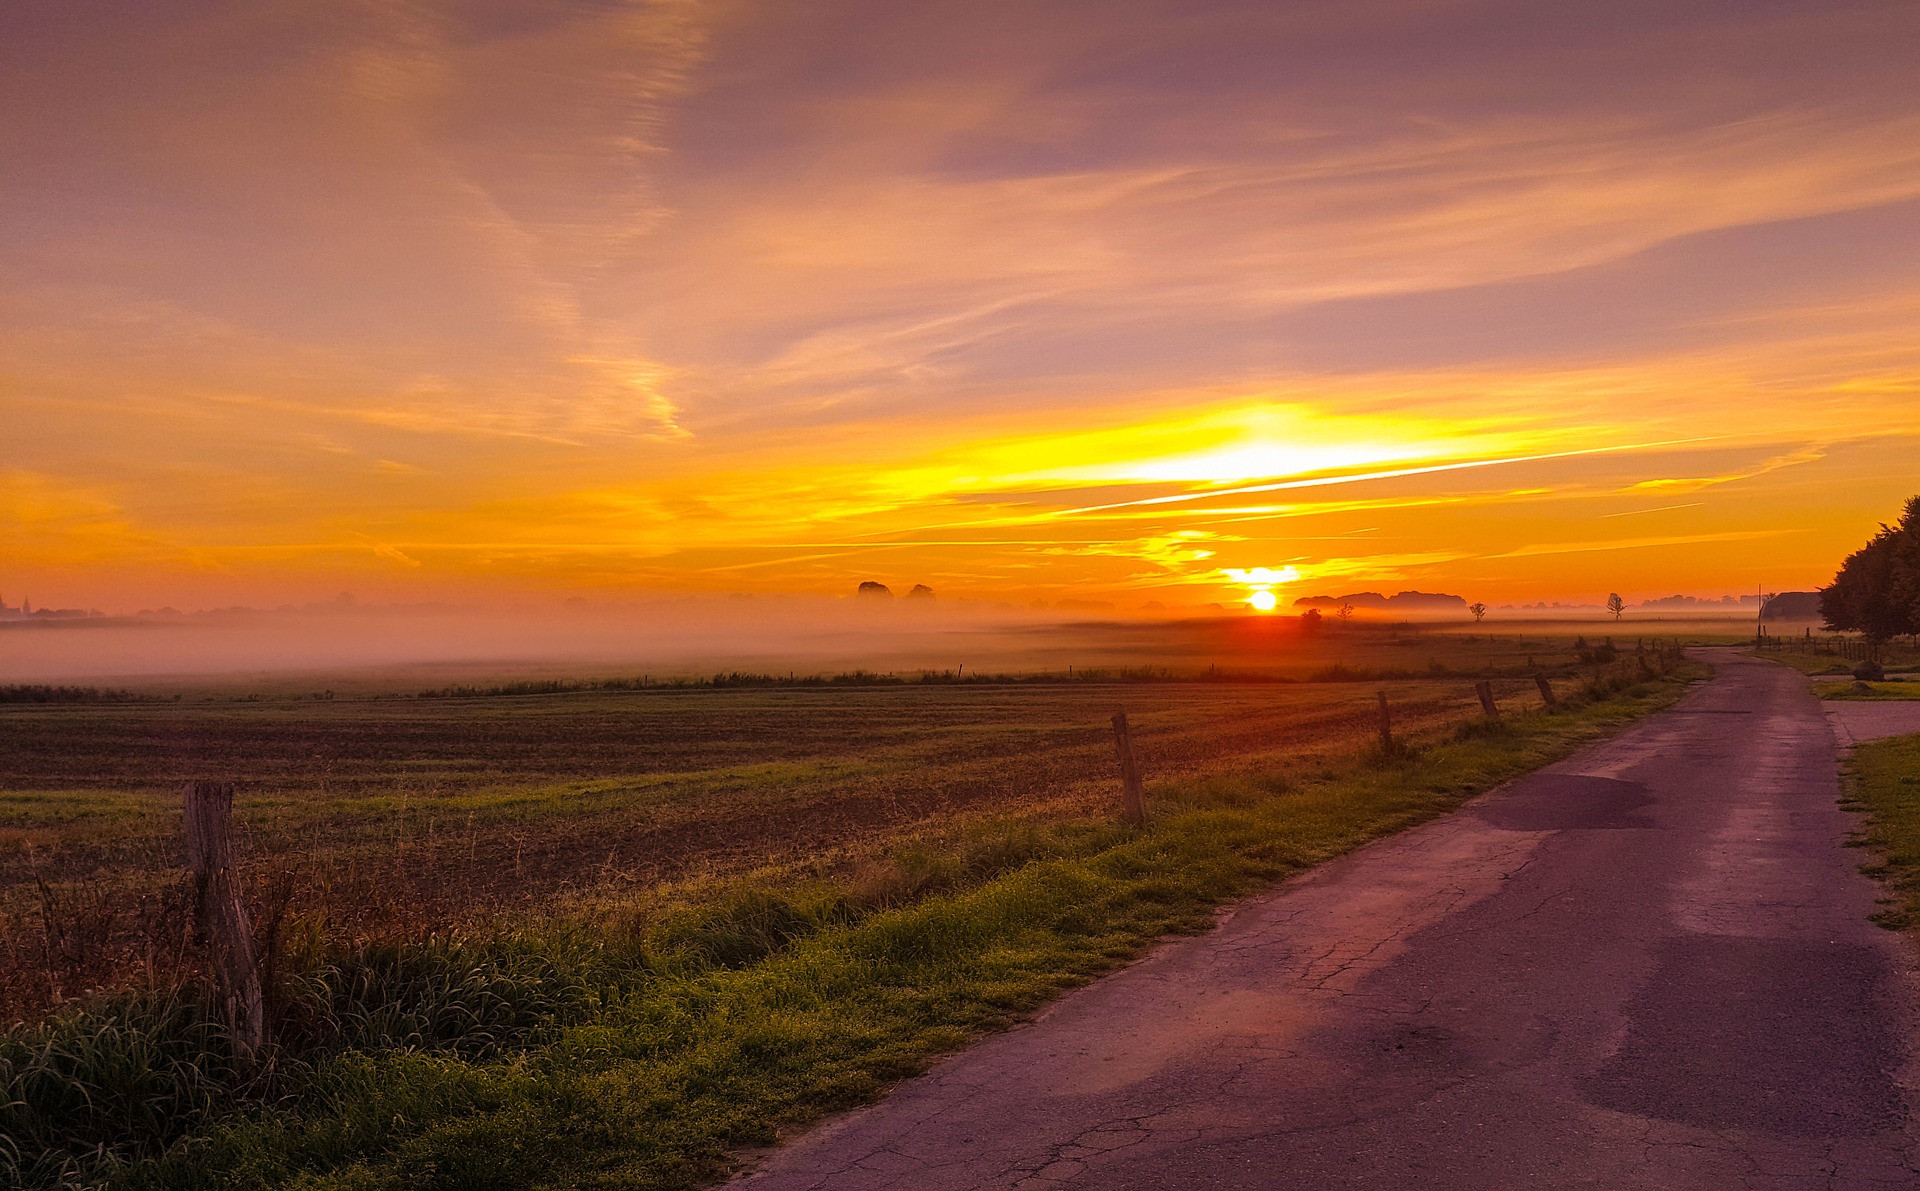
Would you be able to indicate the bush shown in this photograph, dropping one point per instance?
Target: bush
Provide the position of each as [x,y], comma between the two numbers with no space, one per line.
[1602,654]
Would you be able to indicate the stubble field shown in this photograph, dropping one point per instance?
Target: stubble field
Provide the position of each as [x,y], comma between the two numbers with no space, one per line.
[403,815]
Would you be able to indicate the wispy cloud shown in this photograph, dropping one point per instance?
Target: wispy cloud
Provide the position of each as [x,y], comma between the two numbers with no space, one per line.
[687,293]
[1611,545]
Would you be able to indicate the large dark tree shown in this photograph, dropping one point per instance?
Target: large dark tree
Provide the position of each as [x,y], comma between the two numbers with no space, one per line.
[1877,591]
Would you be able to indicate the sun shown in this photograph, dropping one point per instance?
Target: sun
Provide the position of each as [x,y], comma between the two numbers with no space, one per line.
[1265,601]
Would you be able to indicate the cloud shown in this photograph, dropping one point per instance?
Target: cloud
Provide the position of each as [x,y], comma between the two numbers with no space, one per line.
[1051,297]
[1612,544]
[1696,483]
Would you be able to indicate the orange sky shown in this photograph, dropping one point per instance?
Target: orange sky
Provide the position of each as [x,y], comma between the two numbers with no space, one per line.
[1118,301]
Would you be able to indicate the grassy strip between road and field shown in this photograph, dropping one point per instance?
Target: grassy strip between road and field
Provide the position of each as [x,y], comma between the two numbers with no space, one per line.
[1884,784]
[647,1053]
[1894,656]
[1893,689]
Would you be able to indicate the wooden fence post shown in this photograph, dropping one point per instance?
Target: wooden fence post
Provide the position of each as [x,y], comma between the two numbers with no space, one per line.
[1133,800]
[1484,689]
[1386,726]
[219,917]
[1546,691]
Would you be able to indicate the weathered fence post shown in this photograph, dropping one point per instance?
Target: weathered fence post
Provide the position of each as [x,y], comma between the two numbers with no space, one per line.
[1484,689]
[1386,726]
[219,917]
[1546,691]
[1133,800]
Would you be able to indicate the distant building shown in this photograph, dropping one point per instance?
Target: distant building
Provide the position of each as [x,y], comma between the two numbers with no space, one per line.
[1793,605]
[26,611]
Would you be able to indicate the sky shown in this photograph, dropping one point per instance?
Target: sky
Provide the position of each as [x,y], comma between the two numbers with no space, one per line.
[1135,302]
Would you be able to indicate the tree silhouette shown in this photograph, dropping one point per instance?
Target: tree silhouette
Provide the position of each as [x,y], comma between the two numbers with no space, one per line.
[1616,605]
[1479,612]
[1877,591]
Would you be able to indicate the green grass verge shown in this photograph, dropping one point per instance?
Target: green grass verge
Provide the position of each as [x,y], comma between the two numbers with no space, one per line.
[1884,785]
[646,1053]
[1895,689]
[1895,655]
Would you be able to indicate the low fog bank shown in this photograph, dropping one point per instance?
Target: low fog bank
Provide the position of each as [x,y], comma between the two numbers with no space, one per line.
[666,638]
[347,646]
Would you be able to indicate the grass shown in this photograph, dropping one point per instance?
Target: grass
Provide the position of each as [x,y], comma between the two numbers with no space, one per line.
[1884,784]
[1895,689]
[1814,665]
[644,1043]
[1894,655]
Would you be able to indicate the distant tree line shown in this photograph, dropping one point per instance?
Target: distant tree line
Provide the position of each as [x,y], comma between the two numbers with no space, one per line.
[1877,592]
[68,694]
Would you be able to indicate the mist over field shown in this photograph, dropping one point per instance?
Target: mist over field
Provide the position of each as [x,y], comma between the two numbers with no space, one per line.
[673,637]
[347,644]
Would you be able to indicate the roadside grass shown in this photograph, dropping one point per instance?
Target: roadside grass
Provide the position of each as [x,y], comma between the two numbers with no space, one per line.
[646,1043]
[1884,785]
[1813,665]
[1895,655]
[1894,689]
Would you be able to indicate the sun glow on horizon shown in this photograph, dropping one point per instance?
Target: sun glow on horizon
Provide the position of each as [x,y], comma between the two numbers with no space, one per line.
[1262,581]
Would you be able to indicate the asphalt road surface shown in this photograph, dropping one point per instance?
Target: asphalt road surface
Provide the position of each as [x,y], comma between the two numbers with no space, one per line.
[1648,966]
[1858,721]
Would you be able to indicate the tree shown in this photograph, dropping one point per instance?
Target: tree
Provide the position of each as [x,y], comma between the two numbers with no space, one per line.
[1310,621]
[1479,612]
[1877,590]
[1616,605]
[1346,613]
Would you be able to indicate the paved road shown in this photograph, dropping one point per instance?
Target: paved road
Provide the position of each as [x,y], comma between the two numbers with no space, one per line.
[1858,721]
[1647,967]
